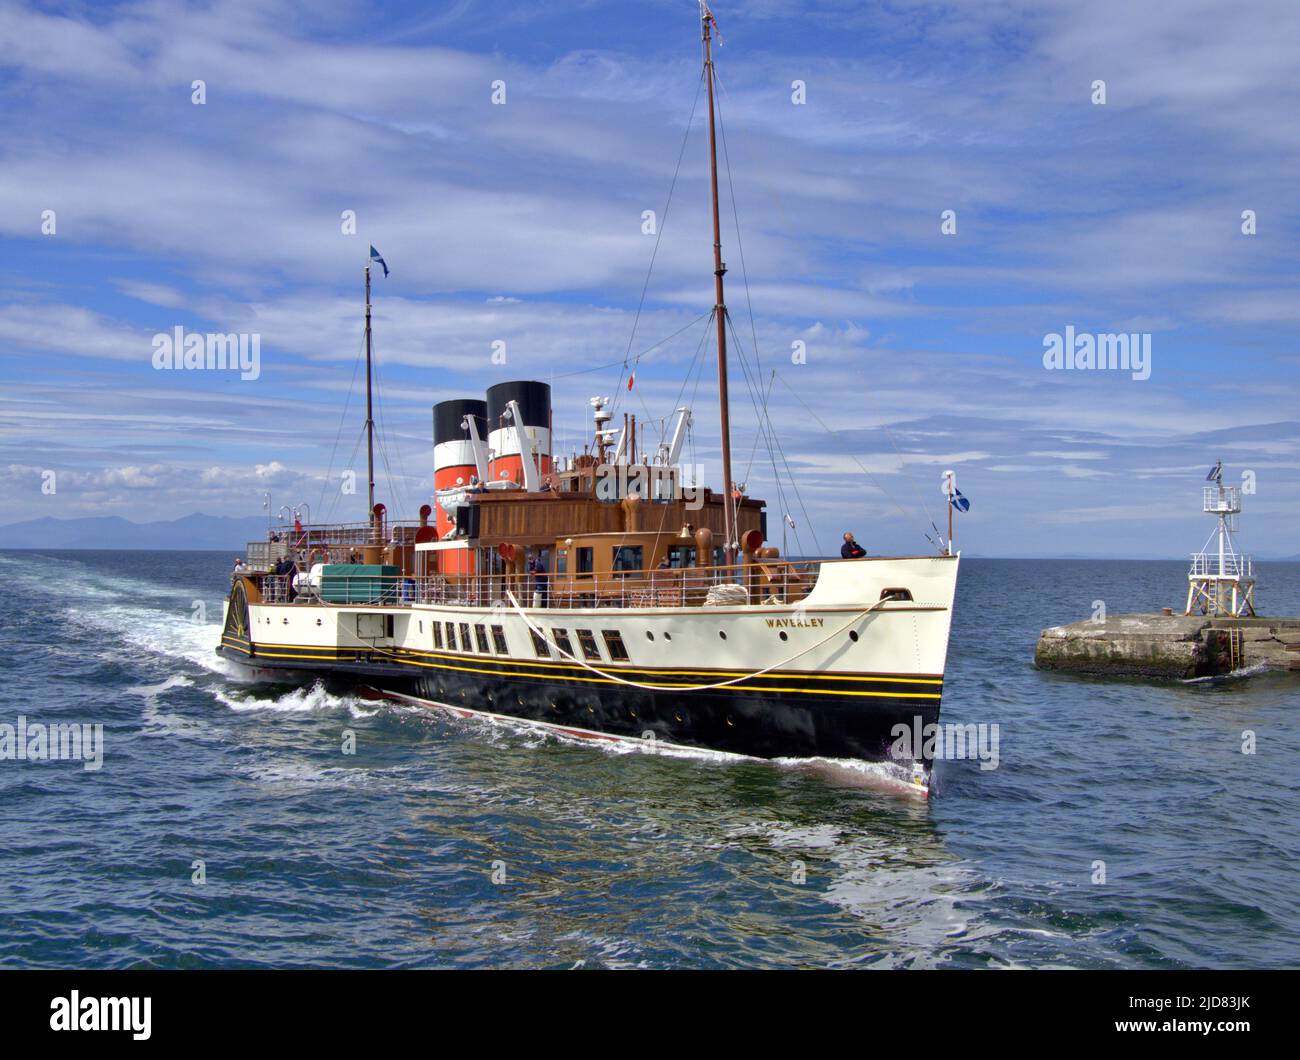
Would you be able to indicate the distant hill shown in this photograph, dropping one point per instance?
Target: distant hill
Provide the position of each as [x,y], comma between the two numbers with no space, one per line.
[196,531]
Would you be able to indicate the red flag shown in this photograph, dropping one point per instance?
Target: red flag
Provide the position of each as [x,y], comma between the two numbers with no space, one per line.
[631,379]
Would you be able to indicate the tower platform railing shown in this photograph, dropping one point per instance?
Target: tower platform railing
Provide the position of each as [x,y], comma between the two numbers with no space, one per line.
[1207,565]
[1225,500]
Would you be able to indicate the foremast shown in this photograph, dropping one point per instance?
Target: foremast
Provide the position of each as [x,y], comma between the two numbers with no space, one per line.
[370,423]
[709,24]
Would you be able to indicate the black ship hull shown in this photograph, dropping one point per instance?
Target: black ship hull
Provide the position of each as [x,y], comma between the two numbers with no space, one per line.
[848,717]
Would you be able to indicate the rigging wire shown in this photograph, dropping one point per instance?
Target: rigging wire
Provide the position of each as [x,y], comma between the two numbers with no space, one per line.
[401,501]
[659,235]
[356,368]
[768,433]
[745,276]
[663,514]
[735,213]
[648,349]
[861,467]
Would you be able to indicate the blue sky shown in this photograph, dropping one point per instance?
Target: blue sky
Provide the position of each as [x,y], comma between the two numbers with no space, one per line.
[522,223]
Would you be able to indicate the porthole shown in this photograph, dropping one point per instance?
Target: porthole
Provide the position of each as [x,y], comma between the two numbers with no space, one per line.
[784,635]
[649,635]
[730,723]
[668,636]
[722,633]
[318,621]
[286,621]
[853,635]
[678,715]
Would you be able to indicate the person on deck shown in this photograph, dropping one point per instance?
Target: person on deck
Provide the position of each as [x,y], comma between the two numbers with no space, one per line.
[851,549]
[286,569]
[541,579]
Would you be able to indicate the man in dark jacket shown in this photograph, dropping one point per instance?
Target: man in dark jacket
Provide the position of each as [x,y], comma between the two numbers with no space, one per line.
[541,579]
[851,549]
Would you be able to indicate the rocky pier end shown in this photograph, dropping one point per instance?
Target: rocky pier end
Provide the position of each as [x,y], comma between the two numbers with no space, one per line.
[1169,646]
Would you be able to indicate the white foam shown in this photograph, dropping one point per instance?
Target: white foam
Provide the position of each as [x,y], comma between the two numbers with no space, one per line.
[295,701]
[890,777]
[153,691]
[1232,675]
[160,722]
[103,607]
[536,733]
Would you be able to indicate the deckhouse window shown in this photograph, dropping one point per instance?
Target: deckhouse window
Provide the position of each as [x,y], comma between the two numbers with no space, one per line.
[895,594]
[539,644]
[627,560]
[499,640]
[562,642]
[451,637]
[437,634]
[614,643]
[561,561]
[584,561]
[680,556]
[480,638]
[465,643]
[588,641]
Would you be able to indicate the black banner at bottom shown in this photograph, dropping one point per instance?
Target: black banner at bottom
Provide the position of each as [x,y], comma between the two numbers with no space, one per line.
[334,1008]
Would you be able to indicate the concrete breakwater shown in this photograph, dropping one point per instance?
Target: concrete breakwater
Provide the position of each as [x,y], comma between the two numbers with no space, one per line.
[1169,646]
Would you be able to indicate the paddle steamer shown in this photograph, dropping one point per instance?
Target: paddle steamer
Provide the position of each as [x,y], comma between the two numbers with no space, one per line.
[602,593]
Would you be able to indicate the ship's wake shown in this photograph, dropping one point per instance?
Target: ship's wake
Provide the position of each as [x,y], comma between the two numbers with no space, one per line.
[112,611]
[887,777]
[303,700]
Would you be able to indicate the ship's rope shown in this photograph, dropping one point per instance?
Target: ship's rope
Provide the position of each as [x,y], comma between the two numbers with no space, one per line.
[654,254]
[768,432]
[780,209]
[861,466]
[687,688]
[334,452]
[371,646]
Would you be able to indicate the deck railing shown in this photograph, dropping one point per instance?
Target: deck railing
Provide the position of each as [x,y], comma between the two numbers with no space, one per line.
[326,542]
[1206,565]
[768,581]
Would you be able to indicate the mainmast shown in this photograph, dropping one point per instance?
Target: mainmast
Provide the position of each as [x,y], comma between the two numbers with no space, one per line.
[370,419]
[720,305]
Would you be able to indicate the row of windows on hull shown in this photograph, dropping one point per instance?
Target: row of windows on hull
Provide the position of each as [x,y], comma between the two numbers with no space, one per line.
[464,637]
[445,635]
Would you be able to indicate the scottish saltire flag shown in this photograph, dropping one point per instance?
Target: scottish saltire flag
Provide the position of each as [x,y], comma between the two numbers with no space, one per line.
[374,256]
[960,502]
[1216,472]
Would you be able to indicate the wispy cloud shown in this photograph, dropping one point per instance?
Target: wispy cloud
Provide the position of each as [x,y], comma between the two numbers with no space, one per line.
[523,224]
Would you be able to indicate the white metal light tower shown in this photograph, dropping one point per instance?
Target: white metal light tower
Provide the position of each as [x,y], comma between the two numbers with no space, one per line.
[1221,582]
